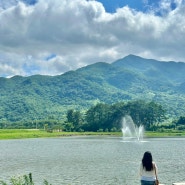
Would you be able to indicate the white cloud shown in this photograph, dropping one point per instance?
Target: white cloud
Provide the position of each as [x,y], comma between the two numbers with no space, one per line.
[80,32]
[7,3]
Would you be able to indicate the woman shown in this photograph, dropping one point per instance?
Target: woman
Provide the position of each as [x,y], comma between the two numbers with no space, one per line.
[148,170]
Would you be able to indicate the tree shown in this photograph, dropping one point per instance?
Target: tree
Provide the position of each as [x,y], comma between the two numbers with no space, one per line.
[118,111]
[75,120]
[137,110]
[70,115]
[155,113]
[106,117]
[181,121]
[97,117]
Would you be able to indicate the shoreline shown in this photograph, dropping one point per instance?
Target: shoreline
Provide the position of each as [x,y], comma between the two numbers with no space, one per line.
[36,133]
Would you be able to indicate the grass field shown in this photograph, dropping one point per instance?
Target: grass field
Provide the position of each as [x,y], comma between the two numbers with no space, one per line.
[35,133]
[166,134]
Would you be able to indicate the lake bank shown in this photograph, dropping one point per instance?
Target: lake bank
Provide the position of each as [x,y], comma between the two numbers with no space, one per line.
[36,133]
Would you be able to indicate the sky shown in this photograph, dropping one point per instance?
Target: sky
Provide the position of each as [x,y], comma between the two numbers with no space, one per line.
[51,37]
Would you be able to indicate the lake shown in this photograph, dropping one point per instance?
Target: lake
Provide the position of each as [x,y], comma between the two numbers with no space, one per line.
[90,160]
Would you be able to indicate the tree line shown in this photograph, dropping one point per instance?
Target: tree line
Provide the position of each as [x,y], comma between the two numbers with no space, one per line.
[105,118]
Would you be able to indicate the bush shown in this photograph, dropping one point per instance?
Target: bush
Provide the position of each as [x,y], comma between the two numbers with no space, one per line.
[114,129]
[100,130]
[23,180]
[181,127]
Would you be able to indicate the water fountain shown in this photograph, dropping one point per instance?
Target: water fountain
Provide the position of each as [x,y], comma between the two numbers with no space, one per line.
[131,130]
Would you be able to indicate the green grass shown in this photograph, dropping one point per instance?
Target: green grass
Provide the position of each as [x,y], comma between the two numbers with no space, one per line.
[23,180]
[165,134]
[34,133]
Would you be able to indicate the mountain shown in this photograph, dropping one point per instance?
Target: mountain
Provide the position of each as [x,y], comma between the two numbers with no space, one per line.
[130,78]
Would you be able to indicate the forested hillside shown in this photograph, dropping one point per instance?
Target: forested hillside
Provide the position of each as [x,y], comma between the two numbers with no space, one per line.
[131,78]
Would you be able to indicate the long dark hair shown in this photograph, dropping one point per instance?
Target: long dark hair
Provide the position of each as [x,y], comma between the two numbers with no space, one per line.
[147,161]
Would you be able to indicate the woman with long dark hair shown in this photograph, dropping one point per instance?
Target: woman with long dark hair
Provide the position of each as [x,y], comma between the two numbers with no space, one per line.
[148,170]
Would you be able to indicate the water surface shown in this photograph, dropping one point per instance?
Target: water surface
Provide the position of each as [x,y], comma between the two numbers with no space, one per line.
[90,160]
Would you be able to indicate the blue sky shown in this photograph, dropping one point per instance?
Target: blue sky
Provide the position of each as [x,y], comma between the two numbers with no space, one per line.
[144,6]
[139,5]
[51,37]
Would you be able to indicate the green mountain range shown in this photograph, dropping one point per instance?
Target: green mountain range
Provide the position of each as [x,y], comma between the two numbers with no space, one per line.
[131,78]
